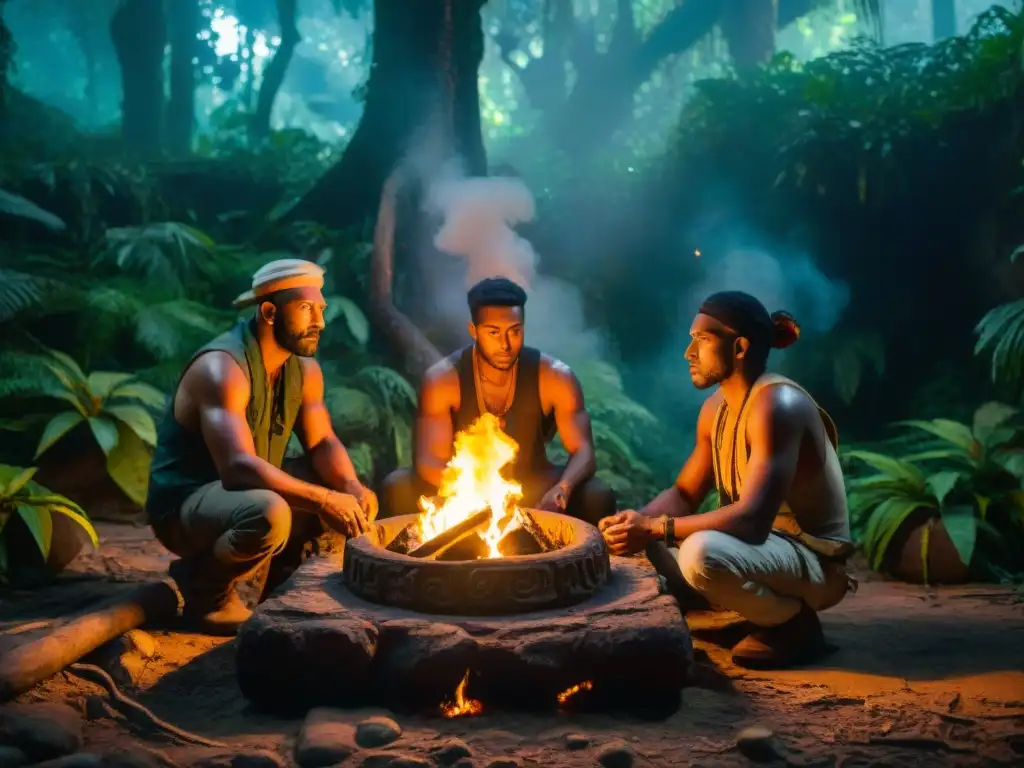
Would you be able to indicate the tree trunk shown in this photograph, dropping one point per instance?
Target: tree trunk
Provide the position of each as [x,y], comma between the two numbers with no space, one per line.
[273,78]
[183,25]
[943,19]
[139,36]
[749,29]
[425,64]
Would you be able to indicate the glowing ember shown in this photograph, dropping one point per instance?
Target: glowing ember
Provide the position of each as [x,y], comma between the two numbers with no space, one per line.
[473,482]
[462,706]
[568,693]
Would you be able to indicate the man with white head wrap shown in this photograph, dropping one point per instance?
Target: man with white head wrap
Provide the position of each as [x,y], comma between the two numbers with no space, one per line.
[218,496]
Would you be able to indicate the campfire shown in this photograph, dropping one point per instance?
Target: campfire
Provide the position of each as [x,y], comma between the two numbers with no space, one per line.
[461,705]
[473,483]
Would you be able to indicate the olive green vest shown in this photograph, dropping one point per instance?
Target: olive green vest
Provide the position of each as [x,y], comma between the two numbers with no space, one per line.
[182,463]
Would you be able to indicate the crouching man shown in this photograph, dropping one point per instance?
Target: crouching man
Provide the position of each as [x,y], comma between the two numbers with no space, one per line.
[775,550]
[218,497]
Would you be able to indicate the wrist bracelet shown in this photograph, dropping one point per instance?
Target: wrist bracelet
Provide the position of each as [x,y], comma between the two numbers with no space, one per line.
[670,532]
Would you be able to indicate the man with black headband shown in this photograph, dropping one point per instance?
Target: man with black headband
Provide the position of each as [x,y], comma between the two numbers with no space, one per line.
[775,549]
[532,395]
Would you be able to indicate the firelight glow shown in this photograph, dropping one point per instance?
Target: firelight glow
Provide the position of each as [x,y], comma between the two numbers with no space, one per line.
[473,482]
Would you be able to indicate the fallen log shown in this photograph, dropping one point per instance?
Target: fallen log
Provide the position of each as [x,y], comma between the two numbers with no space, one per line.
[27,664]
[451,536]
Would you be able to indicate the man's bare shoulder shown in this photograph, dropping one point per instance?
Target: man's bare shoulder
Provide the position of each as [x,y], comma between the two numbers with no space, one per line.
[557,372]
[708,410]
[216,377]
[783,404]
[440,386]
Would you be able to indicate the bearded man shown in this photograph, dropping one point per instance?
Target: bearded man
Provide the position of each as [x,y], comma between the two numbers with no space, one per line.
[532,394]
[218,495]
[775,549]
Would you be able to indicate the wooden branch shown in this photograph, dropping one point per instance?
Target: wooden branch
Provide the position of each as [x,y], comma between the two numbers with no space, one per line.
[451,536]
[273,78]
[31,662]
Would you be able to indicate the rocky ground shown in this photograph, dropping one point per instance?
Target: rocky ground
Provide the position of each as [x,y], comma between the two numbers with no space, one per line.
[921,677]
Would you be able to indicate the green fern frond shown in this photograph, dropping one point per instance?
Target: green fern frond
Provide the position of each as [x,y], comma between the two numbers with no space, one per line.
[171,328]
[23,374]
[20,291]
[1001,331]
[167,252]
[22,208]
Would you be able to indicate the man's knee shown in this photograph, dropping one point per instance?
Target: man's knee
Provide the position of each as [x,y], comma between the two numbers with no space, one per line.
[704,557]
[400,493]
[265,524]
[593,500]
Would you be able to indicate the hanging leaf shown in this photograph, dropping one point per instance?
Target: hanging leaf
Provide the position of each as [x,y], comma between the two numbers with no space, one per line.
[59,426]
[16,205]
[105,432]
[885,521]
[142,392]
[40,525]
[355,320]
[137,419]
[102,383]
[17,483]
[941,483]
[953,432]
[962,527]
[128,464]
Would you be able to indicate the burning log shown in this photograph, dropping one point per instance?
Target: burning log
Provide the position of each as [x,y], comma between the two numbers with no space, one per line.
[469,547]
[33,661]
[531,526]
[451,536]
[406,540]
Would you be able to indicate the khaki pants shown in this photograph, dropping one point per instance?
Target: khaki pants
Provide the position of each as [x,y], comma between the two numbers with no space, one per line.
[764,583]
[223,537]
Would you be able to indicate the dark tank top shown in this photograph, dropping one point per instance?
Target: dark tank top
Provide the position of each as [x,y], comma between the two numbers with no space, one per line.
[525,421]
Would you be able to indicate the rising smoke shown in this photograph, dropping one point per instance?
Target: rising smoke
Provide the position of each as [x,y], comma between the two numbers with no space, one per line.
[478,216]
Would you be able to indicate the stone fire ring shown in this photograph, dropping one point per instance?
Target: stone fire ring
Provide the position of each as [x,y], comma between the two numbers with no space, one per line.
[315,643]
[500,586]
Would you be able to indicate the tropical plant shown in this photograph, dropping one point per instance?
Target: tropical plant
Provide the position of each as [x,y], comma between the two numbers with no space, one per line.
[1001,332]
[22,497]
[970,477]
[113,406]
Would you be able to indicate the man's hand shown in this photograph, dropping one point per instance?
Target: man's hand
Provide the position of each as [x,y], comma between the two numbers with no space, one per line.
[344,513]
[626,532]
[367,500]
[555,500]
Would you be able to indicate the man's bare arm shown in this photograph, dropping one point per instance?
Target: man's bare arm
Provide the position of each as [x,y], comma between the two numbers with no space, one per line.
[313,427]
[774,429]
[695,478]
[221,392]
[439,394]
[563,391]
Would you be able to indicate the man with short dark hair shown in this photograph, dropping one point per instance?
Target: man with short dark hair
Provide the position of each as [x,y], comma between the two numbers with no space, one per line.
[218,496]
[775,550]
[533,395]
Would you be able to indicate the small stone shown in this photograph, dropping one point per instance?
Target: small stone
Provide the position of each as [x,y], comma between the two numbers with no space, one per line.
[615,754]
[505,762]
[42,731]
[576,741]
[325,739]
[758,743]
[260,758]
[377,732]
[77,760]
[450,751]
[142,643]
[382,759]
[12,757]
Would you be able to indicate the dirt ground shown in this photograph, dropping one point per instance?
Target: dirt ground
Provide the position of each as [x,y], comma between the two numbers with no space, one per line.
[921,677]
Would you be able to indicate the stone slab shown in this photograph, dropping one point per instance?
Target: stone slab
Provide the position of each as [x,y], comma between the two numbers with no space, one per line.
[315,643]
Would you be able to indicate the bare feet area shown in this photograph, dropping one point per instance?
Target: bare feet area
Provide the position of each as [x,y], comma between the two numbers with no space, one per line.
[919,677]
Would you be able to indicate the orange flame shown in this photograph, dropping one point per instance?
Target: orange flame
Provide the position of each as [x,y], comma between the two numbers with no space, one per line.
[568,693]
[461,705]
[472,481]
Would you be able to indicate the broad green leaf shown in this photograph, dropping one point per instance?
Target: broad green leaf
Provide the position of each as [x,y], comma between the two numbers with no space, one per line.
[888,465]
[941,483]
[75,513]
[70,366]
[128,464]
[59,426]
[105,432]
[988,417]
[76,398]
[142,392]
[17,483]
[884,523]
[355,320]
[103,383]
[37,520]
[951,431]
[137,419]
[16,205]
[71,385]
[1012,462]
[962,527]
